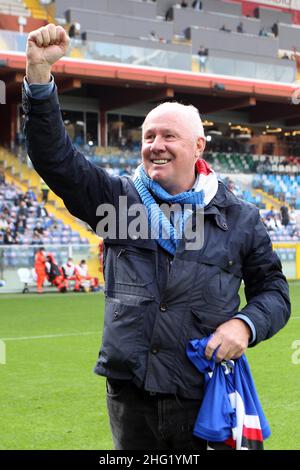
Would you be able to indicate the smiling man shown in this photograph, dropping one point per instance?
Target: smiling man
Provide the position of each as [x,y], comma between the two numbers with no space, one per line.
[159,294]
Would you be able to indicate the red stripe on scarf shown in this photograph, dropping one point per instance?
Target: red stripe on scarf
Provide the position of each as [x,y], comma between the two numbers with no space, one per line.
[202,167]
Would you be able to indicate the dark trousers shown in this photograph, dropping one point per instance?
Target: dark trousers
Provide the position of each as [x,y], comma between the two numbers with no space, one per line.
[141,421]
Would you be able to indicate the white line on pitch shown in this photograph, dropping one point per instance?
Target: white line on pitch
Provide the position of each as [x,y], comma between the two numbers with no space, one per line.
[59,335]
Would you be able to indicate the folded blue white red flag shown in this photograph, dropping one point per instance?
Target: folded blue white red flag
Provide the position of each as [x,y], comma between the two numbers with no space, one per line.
[230,416]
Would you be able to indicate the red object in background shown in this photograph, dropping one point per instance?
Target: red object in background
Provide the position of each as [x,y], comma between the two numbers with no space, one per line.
[39,266]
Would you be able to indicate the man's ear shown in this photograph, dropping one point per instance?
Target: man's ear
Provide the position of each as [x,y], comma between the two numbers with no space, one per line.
[201,142]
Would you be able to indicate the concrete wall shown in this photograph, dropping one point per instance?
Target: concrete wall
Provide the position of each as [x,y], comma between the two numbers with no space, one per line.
[270,16]
[124,7]
[222,7]
[185,17]
[234,42]
[162,6]
[136,42]
[289,36]
[128,26]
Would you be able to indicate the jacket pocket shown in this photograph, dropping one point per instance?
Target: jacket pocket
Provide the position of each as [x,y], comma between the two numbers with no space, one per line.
[122,335]
[134,267]
[221,283]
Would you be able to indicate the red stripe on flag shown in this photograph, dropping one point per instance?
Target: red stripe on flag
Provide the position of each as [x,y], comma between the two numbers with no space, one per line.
[253,434]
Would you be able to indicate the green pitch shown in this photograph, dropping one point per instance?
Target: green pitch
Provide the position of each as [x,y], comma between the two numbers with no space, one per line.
[51,399]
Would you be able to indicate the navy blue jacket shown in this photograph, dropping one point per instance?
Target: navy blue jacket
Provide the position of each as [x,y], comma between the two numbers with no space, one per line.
[155,305]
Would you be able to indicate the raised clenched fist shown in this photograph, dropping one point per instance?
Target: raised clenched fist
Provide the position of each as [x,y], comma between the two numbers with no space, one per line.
[45,46]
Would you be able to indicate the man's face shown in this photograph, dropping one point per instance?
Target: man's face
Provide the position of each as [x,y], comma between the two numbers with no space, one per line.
[170,150]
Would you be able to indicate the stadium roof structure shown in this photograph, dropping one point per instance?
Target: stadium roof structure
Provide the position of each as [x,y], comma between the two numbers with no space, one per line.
[117,85]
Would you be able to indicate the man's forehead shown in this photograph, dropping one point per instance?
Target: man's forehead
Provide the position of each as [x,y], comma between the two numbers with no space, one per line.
[166,119]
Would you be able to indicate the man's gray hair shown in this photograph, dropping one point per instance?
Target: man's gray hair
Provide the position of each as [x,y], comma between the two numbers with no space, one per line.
[191,112]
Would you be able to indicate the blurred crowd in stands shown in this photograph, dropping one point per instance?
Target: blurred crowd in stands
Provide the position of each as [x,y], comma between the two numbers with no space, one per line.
[25,221]
[281,223]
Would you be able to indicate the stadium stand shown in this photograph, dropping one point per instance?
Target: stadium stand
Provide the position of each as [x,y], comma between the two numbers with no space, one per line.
[28,221]
[14,7]
[284,187]
[23,177]
[289,36]
[228,8]
[268,17]
[163,35]
[126,7]
[184,17]
[130,26]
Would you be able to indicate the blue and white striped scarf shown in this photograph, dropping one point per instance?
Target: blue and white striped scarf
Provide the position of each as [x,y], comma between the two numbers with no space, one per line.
[168,234]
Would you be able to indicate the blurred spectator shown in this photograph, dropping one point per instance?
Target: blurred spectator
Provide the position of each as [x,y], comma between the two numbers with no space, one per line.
[274,29]
[41,210]
[224,28]
[83,37]
[38,229]
[169,14]
[3,223]
[86,281]
[278,221]
[54,274]
[10,193]
[197,5]
[271,212]
[153,36]
[70,273]
[284,215]
[45,191]
[2,177]
[23,210]
[74,30]
[8,239]
[263,32]
[240,27]
[30,194]
[36,239]
[68,268]
[184,4]
[40,268]
[202,57]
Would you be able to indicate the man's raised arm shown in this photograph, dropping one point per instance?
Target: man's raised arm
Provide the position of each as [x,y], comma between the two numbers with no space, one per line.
[81,185]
